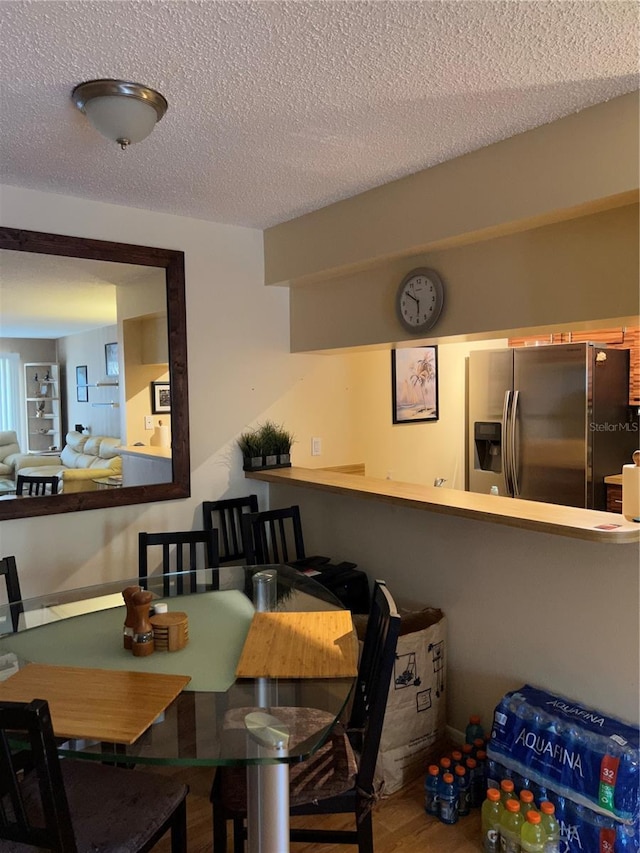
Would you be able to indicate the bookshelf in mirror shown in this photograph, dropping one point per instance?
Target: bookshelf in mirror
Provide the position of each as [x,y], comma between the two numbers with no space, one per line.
[42,402]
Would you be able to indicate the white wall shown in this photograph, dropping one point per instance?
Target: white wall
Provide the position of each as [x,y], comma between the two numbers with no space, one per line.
[240,373]
[87,349]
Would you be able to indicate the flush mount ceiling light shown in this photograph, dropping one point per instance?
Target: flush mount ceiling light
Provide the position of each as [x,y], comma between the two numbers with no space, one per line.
[121,111]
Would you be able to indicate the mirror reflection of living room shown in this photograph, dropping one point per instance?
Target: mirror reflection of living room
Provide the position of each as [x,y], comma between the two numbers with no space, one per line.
[78,391]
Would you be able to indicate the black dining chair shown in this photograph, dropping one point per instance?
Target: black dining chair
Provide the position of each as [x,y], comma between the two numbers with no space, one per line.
[9,570]
[225,516]
[182,551]
[275,536]
[36,486]
[71,806]
[339,777]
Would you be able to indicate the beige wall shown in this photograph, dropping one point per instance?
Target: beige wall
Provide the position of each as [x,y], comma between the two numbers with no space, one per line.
[521,607]
[413,452]
[565,274]
[584,162]
[240,373]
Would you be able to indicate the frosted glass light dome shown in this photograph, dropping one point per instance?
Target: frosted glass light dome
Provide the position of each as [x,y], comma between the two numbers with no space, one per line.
[123,112]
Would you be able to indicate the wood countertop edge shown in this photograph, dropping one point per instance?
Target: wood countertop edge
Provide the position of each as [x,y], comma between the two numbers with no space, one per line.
[528,515]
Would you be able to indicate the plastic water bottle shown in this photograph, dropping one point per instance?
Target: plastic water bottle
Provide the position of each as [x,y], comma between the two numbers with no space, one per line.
[490,816]
[467,750]
[464,790]
[510,827]
[507,792]
[456,758]
[532,833]
[526,802]
[550,827]
[431,790]
[478,745]
[492,771]
[626,839]
[474,729]
[477,788]
[445,764]
[448,799]
[483,772]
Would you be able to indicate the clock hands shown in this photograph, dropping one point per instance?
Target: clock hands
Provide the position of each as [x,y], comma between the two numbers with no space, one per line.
[415,299]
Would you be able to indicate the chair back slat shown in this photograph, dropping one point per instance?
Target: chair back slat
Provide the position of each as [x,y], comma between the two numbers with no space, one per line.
[174,545]
[225,516]
[31,721]
[36,486]
[273,536]
[9,570]
[374,677]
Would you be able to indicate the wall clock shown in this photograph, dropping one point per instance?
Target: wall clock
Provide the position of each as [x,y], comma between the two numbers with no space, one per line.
[419,299]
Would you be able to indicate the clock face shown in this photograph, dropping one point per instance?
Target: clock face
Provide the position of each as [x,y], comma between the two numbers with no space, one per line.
[420,299]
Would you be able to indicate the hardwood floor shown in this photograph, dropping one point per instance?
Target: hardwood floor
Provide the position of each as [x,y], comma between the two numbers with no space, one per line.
[400,824]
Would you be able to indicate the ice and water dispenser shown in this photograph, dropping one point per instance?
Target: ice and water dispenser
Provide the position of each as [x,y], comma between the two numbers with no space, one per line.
[488,446]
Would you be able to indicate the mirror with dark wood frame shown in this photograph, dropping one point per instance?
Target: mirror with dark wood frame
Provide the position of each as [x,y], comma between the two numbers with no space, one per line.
[172,262]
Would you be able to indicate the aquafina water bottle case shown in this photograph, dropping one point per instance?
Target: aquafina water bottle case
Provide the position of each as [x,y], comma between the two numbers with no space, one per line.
[581,829]
[580,752]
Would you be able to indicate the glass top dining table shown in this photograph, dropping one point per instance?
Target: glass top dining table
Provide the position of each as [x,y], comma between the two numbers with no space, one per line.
[83,628]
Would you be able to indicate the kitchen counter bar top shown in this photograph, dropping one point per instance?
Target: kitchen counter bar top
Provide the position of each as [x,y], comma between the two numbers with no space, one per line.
[592,525]
[614,480]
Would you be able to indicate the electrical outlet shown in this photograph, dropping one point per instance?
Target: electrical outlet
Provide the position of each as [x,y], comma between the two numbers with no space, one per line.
[148,422]
[316,446]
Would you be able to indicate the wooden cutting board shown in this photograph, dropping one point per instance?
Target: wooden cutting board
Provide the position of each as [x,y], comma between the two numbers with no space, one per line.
[319,644]
[96,704]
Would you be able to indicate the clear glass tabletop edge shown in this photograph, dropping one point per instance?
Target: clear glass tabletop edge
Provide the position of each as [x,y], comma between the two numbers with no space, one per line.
[204,724]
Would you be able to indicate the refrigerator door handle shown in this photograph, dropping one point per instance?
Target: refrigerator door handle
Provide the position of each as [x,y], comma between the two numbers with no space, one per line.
[506,461]
[512,443]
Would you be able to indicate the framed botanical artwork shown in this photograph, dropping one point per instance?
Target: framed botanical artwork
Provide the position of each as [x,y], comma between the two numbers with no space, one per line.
[160,398]
[82,388]
[414,384]
[111,359]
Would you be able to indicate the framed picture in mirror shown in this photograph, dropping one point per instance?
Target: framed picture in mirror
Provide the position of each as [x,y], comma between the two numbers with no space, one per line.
[82,389]
[160,398]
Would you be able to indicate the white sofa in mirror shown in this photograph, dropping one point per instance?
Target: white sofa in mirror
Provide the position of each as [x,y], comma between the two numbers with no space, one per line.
[84,460]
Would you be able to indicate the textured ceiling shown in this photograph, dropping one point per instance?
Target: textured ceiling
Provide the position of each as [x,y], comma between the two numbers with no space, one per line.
[279,108]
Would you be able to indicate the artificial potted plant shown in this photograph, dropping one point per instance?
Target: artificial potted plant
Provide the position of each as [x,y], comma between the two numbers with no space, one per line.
[267,446]
[250,448]
[282,441]
[268,441]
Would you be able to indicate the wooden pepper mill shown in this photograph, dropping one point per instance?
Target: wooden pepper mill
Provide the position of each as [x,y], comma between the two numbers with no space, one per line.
[130,618]
[142,630]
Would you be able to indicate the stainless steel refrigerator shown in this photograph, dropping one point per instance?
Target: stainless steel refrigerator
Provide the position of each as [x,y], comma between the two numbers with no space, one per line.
[549,423]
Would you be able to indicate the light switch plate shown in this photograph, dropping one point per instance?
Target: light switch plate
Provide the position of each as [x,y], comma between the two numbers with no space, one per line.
[316,446]
[148,422]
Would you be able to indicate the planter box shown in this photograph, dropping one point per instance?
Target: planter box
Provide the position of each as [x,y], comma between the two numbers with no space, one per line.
[263,463]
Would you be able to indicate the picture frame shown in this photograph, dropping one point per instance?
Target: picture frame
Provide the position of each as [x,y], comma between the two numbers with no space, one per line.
[112,367]
[82,387]
[414,384]
[160,398]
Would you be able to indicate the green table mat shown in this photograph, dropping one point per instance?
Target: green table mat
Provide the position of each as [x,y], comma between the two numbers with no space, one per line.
[218,625]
